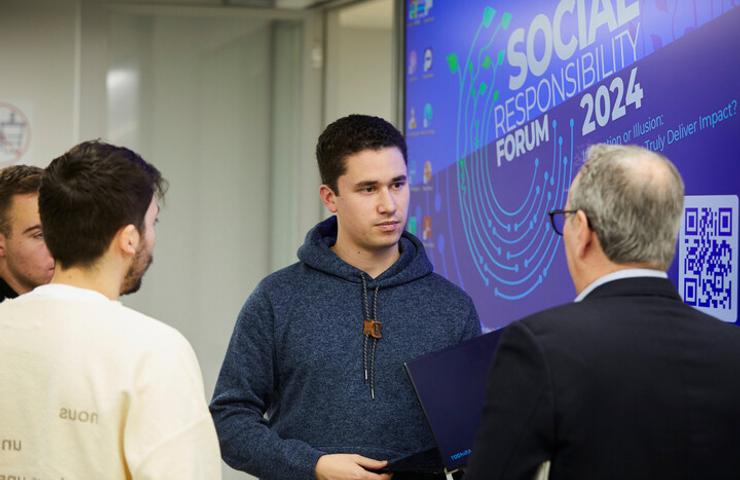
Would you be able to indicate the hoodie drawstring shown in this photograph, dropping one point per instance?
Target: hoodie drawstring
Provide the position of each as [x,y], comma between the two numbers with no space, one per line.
[372,332]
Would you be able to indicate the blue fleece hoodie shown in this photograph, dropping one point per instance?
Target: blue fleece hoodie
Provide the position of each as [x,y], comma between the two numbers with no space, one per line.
[292,386]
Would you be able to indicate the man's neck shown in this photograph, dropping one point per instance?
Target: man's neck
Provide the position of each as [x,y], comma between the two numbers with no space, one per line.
[373,263]
[92,278]
[606,268]
[6,291]
[16,286]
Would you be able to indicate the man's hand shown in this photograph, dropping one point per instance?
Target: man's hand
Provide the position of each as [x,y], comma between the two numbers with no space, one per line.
[350,467]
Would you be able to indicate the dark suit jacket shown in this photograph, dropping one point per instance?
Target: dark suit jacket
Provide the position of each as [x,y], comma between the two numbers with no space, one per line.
[630,383]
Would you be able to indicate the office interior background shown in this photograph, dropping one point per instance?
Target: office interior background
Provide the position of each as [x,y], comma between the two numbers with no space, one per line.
[227,99]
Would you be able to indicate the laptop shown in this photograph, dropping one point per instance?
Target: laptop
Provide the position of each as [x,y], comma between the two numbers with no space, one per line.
[450,385]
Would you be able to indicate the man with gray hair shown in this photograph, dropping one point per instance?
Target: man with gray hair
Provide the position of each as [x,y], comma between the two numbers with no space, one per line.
[627,381]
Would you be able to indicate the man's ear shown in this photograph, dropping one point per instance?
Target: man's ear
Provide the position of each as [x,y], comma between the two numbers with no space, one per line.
[127,240]
[328,197]
[2,244]
[584,235]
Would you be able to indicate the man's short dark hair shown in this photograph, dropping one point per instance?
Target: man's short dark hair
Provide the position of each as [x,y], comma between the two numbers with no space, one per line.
[350,135]
[90,193]
[16,180]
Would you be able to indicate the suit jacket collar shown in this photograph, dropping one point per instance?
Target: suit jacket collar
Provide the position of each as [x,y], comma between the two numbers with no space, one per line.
[636,286]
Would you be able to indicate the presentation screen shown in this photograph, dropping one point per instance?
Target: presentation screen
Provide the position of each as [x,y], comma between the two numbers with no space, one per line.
[503,97]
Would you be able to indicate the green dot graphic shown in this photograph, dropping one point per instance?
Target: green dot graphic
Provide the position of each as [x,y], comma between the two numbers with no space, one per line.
[452,63]
[488,15]
[505,20]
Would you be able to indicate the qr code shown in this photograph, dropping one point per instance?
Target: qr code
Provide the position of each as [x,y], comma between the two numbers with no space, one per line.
[707,274]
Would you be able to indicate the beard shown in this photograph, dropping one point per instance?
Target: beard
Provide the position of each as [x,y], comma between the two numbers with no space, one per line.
[141,262]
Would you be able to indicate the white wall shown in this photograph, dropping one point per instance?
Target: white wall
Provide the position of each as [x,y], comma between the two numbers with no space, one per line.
[204,120]
[38,58]
[359,63]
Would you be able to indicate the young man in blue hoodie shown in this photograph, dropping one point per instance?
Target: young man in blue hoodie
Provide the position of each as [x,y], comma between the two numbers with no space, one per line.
[313,384]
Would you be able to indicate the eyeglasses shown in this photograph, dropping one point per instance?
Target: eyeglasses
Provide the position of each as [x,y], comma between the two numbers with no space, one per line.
[557,219]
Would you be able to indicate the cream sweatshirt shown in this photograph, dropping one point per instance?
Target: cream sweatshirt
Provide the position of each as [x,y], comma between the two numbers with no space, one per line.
[91,389]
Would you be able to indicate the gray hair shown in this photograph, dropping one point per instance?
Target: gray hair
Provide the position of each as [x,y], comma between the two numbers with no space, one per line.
[633,199]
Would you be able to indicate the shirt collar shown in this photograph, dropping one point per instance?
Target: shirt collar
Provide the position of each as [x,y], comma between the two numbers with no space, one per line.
[66,292]
[619,275]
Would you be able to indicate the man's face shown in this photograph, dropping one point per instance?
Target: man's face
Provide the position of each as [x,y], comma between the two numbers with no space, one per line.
[144,253]
[373,200]
[23,253]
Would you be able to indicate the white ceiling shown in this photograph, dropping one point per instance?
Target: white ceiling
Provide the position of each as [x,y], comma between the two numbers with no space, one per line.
[377,14]
[370,14]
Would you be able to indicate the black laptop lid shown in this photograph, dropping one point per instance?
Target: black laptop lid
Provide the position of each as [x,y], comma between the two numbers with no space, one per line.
[451,386]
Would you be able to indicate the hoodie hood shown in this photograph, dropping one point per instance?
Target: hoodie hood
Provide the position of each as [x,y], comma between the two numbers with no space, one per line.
[316,253]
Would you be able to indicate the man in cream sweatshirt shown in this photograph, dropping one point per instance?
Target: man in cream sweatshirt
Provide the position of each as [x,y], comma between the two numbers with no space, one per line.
[90,389]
